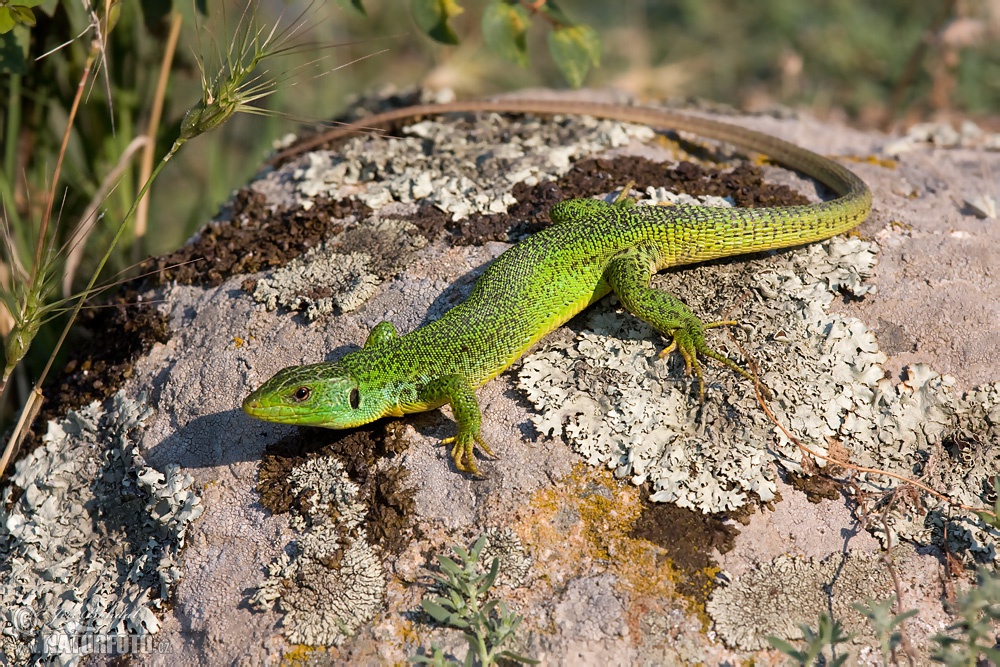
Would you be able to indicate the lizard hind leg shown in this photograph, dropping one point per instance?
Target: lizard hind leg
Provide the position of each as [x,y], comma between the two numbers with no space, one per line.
[629,275]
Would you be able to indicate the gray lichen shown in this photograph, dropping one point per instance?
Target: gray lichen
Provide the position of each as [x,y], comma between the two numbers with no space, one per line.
[459,172]
[777,597]
[945,135]
[514,563]
[334,582]
[950,442]
[91,544]
[344,272]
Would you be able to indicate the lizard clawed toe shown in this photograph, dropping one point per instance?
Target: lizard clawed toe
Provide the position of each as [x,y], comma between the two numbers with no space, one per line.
[690,343]
[463,452]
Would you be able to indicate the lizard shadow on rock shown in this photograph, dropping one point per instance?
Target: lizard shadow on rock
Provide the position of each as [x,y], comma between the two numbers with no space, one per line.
[217,439]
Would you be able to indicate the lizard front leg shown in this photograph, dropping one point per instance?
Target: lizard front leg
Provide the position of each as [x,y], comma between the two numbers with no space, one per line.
[456,391]
[380,333]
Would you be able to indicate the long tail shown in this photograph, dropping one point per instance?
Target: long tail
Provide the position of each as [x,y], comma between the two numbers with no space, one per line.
[745,229]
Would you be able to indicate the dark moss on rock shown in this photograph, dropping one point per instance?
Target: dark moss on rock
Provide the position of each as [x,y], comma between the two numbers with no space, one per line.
[596,176]
[383,488]
[256,237]
[817,487]
[107,341]
[688,537]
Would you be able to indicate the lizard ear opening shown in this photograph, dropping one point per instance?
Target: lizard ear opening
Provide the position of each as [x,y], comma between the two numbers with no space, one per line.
[354,398]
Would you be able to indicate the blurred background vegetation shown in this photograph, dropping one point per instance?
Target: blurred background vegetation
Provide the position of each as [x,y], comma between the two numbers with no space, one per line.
[874,64]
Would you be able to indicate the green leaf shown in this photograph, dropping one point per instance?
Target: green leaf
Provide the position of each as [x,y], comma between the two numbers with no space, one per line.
[786,648]
[574,50]
[7,21]
[436,611]
[48,6]
[490,578]
[477,548]
[505,30]
[433,15]
[488,607]
[510,655]
[448,566]
[23,15]
[436,657]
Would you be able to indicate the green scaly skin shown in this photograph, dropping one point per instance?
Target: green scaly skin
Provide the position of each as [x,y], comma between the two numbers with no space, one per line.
[592,248]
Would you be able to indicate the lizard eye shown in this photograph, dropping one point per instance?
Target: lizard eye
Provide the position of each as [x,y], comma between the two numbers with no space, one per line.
[354,398]
[301,394]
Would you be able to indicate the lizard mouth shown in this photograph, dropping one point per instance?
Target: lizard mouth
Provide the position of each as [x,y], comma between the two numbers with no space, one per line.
[252,406]
[285,414]
[280,414]
[255,407]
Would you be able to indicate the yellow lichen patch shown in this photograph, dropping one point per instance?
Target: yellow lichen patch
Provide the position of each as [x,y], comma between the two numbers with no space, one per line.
[665,141]
[586,523]
[407,633]
[885,163]
[301,655]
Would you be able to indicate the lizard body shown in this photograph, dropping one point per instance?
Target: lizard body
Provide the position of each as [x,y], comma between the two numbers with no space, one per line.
[592,248]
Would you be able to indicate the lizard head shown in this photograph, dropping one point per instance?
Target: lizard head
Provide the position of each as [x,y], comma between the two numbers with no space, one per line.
[315,395]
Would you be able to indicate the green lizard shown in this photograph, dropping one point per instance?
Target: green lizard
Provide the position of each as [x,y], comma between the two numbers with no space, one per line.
[591,249]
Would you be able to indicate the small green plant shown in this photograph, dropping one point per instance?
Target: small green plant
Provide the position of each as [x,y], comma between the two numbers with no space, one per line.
[829,634]
[972,636]
[887,628]
[463,603]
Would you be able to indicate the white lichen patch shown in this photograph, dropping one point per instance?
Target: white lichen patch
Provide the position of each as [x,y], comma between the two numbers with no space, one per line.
[663,196]
[460,172]
[334,582]
[951,443]
[776,598]
[318,283]
[945,135]
[336,277]
[619,406]
[90,546]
